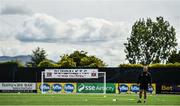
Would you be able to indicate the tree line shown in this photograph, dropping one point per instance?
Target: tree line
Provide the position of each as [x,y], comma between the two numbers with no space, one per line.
[75,59]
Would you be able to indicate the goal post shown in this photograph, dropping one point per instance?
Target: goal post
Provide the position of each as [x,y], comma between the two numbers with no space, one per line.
[72,74]
[42,81]
[104,73]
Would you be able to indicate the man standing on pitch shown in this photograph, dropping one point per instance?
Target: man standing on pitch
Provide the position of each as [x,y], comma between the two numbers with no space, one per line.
[144,79]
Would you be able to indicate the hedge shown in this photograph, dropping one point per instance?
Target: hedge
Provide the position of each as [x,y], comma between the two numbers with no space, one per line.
[157,65]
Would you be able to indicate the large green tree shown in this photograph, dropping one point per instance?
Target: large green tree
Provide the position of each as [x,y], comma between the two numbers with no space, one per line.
[150,41]
[80,59]
[38,55]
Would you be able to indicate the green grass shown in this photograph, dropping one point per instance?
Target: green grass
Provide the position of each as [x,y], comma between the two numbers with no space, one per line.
[85,99]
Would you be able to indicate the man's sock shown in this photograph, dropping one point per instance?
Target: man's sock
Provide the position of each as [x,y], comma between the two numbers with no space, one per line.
[144,100]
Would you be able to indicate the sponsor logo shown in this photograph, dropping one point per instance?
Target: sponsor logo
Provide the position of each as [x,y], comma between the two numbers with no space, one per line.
[90,88]
[81,87]
[95,88]
[56,87]
[69,88]
[94,74]
[134,88]
[166,88]
[45,87]
[123,88]
[49,74]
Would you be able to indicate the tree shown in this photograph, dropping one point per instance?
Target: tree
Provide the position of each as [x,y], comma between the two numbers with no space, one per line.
[150,42]
[92,61]
[38,55]
[47,63]
[77,56]
[66,61]
[174,57]
[80,59]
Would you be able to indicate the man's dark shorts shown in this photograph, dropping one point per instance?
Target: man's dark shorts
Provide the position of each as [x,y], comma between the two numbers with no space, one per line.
[144,87]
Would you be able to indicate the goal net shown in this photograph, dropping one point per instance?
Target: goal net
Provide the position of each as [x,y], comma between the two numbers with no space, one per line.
[73,81]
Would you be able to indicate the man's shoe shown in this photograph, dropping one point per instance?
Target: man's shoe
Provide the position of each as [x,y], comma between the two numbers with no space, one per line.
[138,101]
[144,101]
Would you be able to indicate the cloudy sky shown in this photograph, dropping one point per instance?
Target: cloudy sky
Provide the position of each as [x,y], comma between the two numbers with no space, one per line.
[99,27]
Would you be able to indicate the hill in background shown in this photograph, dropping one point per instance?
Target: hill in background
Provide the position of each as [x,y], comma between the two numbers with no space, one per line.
[21,58]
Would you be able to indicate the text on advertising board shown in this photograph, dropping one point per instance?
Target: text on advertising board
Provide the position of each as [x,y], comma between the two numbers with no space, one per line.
[17,86]
[71,73]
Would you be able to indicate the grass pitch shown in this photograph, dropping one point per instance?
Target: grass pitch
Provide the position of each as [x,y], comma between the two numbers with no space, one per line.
[85,99]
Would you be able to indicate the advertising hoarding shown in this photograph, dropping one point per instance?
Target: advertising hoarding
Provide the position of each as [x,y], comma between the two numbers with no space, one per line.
[133,88]
[71,73]
[95,88]
[17,86]
[168,88]
[53,87]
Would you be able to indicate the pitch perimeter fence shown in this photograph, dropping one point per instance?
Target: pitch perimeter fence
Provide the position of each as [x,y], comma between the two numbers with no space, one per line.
[167,80]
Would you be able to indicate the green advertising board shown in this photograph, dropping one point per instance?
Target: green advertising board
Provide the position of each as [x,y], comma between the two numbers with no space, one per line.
[95,88]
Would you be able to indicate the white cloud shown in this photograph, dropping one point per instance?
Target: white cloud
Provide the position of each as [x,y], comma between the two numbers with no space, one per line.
[98,37]
[45,28]
[15,10]
[39,27]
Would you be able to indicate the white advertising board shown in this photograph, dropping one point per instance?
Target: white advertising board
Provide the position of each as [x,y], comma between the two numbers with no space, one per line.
[17,86]
[71,73]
